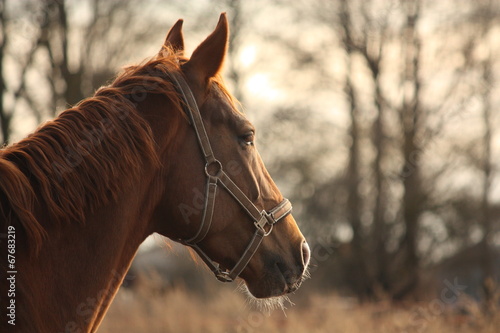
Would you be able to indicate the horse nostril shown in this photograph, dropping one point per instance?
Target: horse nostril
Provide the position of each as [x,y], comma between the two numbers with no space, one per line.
[306,254]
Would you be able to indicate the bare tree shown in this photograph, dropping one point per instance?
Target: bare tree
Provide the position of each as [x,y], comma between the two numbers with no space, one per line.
[82,55]
[4,116]
[78,66]
[365,34]
[487,163]
[353,177]
[411,123]
[488,81]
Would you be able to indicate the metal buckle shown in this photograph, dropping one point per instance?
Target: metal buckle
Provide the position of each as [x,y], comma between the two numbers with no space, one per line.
[260,224]
[217,168]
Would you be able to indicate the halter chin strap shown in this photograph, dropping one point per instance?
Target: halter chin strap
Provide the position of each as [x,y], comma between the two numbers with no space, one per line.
[263,220]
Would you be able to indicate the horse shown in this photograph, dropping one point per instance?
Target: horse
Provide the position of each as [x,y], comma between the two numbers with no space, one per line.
[163,149]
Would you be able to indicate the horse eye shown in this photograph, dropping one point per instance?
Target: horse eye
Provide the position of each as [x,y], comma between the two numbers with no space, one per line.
[248,139]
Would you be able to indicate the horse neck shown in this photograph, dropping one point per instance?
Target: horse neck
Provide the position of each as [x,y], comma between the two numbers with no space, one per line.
[71,282]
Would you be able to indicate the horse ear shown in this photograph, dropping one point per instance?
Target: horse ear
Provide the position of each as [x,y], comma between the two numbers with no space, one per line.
[174,40]
[208,57]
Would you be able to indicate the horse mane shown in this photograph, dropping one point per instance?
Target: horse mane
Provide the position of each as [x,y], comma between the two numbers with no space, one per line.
[86,156]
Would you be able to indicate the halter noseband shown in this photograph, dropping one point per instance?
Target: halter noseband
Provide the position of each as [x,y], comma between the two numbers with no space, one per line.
[263,220]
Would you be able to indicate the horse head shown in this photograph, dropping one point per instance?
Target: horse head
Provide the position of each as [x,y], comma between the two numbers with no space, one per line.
[218,197]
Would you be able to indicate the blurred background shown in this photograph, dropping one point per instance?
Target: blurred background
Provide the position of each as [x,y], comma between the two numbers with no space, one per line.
[376,118]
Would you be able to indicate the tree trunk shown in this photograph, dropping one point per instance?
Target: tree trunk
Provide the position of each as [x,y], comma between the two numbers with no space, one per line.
[379,232]
[359,273]
[487,255]
[233,70]
[4,116]
[411,178]
[73,79]
[360,277]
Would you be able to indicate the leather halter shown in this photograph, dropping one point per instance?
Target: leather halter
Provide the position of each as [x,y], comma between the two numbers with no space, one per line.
[263,220]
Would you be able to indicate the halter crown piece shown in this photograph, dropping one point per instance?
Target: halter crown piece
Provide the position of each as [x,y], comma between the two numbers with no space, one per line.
[263,220]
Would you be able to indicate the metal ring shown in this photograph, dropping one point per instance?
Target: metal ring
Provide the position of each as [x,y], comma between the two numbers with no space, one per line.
[223,277]
[270,230]
[218,169]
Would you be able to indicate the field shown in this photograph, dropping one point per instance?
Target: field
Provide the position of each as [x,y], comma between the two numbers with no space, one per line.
[224,309]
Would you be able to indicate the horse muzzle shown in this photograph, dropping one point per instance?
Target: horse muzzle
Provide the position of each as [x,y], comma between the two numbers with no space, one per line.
[280,276]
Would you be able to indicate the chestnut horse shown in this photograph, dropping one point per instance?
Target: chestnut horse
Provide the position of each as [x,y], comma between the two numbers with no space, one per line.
[162,149]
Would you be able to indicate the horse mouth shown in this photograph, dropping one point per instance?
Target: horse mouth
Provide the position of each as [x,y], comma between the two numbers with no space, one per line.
[280,277]
[290,288]
[293,282]
[278,282]
[272,294]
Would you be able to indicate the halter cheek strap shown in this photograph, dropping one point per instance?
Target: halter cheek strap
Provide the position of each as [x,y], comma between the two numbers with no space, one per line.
[263,220]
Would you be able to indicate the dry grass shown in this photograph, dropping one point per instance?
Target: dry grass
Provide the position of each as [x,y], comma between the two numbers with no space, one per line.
[226,310]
